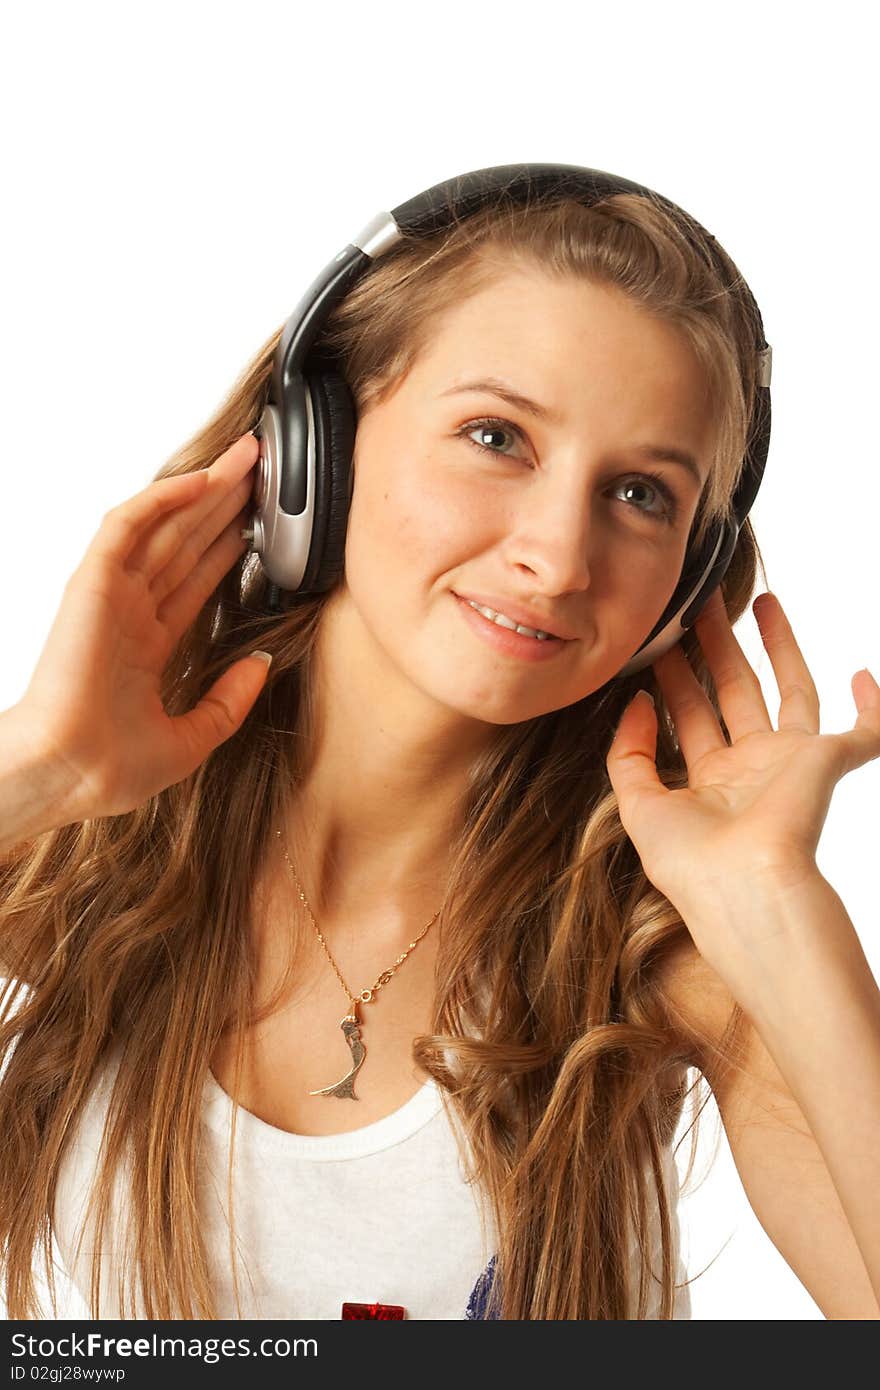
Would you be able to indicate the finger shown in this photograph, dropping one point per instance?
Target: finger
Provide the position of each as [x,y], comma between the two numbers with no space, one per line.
[740,697]
[181,608]
[696,723]
[123,526]
[862,744]
[631,759]
[179,547]
[187,535]
[219,713]
[799,702]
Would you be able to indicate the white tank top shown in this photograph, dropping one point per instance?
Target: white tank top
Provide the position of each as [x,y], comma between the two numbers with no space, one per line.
[380,1214]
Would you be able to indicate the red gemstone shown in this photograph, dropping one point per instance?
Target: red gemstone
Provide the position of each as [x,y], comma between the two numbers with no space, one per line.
[380,1311]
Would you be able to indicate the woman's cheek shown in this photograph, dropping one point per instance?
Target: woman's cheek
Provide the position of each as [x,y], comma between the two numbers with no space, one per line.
[434,515]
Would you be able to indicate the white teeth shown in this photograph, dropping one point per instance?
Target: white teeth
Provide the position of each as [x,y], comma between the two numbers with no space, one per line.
[503,621]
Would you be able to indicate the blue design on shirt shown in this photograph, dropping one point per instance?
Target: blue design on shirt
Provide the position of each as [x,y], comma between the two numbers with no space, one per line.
[476,1307]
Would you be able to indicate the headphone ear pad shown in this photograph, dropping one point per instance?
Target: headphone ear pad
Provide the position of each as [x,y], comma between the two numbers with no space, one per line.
[335,422]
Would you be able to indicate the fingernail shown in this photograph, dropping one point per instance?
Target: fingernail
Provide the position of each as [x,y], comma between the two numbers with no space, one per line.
[264,656]
[648,696]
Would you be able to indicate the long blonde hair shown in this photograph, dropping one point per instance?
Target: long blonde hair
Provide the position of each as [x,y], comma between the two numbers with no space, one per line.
[553,1043]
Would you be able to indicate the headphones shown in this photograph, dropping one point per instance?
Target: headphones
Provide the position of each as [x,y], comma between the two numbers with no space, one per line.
[307,429]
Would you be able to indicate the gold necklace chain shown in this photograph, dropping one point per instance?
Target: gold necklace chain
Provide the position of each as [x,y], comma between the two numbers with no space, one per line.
[366,995]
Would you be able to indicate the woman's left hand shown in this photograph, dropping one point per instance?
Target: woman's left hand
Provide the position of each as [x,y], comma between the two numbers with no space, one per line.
[754,808]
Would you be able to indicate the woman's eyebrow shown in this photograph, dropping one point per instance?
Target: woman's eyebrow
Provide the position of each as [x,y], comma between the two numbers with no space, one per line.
[493,387]
[660,453]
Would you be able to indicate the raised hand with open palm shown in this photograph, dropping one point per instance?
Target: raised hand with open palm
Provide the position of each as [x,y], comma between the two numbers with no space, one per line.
[93,701]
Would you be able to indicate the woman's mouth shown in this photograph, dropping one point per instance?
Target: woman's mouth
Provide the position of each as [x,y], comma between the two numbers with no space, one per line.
[507,640]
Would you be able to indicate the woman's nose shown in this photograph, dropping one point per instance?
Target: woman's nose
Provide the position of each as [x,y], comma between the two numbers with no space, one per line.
[556,541]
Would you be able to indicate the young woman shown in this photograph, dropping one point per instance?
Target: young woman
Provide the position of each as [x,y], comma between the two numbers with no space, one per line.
[377,976]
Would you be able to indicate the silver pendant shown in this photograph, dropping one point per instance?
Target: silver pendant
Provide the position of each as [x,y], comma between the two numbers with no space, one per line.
[344,1089]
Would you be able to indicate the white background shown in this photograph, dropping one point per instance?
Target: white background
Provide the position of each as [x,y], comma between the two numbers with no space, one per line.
[175,176]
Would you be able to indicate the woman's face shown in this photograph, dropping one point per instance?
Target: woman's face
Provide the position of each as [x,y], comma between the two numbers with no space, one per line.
[557,515]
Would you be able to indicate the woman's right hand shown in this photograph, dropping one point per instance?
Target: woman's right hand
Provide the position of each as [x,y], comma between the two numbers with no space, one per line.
[93,699]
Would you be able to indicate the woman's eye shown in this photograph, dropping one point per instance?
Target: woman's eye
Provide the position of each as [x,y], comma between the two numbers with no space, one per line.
[486,427]
[668,512]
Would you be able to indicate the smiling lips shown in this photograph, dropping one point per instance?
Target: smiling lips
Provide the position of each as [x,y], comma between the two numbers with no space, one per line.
[506,640]
[509,609]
